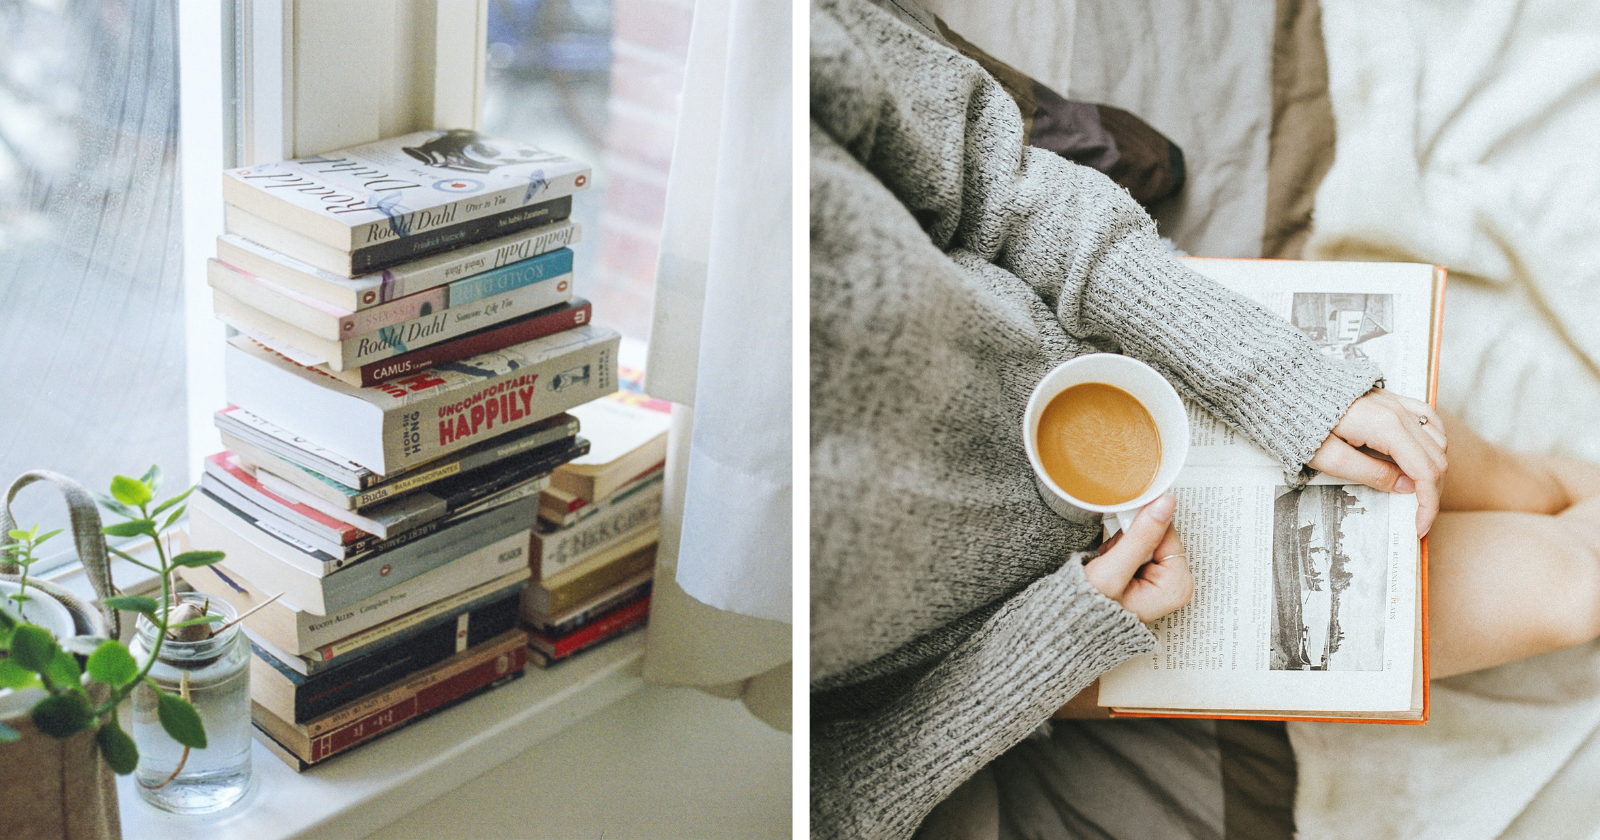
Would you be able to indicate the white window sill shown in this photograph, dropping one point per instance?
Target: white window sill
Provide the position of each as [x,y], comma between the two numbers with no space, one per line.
[358,793]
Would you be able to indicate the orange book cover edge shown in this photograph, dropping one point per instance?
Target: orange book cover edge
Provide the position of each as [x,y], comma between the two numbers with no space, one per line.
[1442,275]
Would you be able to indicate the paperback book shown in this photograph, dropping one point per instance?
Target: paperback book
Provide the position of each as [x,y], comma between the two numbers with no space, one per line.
[407,187]
[411,421]
[354,294]
[355,487]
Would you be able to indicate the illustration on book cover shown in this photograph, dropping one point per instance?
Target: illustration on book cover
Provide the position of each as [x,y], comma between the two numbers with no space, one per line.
[1330,572]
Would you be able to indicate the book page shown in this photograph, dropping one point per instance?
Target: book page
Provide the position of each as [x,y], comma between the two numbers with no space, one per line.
[1377,312]
[1304,599]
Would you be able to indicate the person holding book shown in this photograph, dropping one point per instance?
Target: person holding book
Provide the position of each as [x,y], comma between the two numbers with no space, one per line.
[952,267]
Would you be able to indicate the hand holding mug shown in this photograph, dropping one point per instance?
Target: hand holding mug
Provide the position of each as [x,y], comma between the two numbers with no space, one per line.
[1144,568]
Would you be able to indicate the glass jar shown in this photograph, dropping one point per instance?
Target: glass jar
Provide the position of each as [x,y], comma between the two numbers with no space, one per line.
[214,675]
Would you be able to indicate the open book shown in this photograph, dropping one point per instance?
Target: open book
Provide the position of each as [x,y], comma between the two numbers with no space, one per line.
[1311,603]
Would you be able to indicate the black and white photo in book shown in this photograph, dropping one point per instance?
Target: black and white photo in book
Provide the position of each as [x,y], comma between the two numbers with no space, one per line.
[1350,326]
[1330,572]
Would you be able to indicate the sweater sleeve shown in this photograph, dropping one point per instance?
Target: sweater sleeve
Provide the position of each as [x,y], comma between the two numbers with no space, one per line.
[878,777]
[946,139]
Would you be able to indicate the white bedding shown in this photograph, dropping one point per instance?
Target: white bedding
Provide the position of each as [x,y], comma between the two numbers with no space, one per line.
[1467,137]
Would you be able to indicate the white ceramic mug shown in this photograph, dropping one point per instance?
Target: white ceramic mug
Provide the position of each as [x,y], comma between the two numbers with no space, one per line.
[1152,391]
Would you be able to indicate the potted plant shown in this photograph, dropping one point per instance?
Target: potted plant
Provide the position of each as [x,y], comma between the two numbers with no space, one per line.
[62,679]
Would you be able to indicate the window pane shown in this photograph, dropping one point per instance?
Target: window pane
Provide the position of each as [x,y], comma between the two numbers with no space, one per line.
[597,80]
[91,322]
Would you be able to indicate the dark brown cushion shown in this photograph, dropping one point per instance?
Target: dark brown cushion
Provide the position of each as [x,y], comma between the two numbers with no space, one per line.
[1121,145]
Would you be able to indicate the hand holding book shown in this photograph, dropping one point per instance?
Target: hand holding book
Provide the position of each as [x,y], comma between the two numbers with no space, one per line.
[1408,431]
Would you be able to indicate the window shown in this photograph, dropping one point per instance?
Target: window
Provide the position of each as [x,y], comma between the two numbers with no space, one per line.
[91,296]
[597,80]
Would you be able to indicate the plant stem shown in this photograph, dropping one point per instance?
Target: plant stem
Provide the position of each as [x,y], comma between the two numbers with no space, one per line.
[161,628]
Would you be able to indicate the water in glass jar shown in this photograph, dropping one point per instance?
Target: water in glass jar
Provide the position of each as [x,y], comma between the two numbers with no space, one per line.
[214,676]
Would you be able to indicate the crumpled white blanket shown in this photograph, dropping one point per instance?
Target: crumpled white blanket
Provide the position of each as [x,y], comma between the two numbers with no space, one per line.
[1468,135]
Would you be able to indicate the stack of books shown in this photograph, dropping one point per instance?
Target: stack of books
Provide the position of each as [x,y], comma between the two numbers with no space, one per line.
[407,346]
[594,548]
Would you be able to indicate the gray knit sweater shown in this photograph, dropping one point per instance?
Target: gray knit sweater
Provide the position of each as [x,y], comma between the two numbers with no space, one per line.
[951,267]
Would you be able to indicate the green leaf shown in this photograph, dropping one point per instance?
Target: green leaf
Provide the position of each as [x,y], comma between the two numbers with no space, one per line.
[112,664]
[45,536]
[174,517]
[121,754]
[196,559]
[61,715]
[18,535]
[172,501]
[8,735]
[33,647]
[133,603]
[180,720]
[131,528]
[15,676]
[152,479]
[8,618]
[115,506]
[130,491]
[204,619]
[64,672]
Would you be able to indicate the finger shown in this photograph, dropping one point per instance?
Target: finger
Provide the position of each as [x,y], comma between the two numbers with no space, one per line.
[1420,466]
[1341,460]
[1435,425]
[1162,585]
[1111,571]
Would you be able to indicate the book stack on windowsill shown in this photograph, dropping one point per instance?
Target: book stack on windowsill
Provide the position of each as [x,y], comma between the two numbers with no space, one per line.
[599,524]
[407,346]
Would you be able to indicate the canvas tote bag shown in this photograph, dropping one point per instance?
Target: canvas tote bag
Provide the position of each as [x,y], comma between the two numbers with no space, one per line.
[60,789]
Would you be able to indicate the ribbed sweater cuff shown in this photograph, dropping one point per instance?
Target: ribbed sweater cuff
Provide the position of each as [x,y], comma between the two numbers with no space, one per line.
[879,777]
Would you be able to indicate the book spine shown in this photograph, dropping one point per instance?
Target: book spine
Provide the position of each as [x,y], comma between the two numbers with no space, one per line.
[417,432]
[461,493]
[398,249]
[545,660]
[496,659]
[468,463]
[387,632]
[400,223]
[514,276]
[452,700]
[315,631]
[570,624]
[564,548]
[537,325]
[573,592]
[393,312]
[400,339]
[333,688]
[622,617]
[476,258]
[494,539]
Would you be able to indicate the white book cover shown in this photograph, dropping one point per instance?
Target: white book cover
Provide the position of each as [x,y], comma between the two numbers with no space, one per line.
[376,192]
[406,422]
[370,290]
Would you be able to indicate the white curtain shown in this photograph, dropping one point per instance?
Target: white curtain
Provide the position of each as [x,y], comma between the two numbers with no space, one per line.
[720,350]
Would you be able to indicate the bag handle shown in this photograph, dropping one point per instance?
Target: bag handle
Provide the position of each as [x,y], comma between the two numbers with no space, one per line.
[85,516]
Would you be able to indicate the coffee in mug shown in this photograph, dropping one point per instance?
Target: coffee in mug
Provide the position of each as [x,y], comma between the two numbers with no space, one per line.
[1098,443]
[1105,434]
